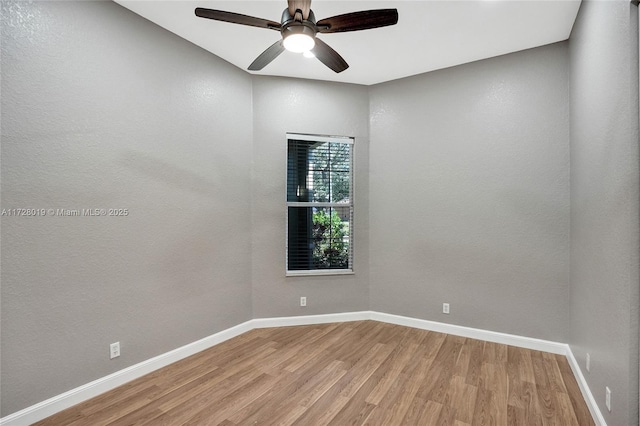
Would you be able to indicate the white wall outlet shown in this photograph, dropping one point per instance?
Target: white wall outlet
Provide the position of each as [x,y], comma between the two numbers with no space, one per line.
[445,308]
[114,350]
[607,399]
[588,362]
[303,301]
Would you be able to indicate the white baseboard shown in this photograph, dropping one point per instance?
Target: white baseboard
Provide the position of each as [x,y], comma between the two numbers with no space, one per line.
[598,418]
[310,319]
[75,396]
[82,393]
[474,333]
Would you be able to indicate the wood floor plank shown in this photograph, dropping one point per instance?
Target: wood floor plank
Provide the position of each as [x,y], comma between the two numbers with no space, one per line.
[305,395]
[567,414]
[546,404]
[482,410]
[396,362]
[539,371]
[447,415]
[191,403]
[437,384]
[348,386]
[513,376]
[495,378]
[462,363]
[531,405]
[418,410]
[573,391]
[430,414]
[152,409]
[462,396]
[525,366]
[414,376]
[433,343]
[355,373]
[310,351]
[288,399]
[365,367]
[553,373]
[515,416]
[490,352]
[354,413]
[475,361]
[214,412]
[266,406]
[324,411]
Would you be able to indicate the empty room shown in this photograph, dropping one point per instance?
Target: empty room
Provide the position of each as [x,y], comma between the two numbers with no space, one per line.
[310,213]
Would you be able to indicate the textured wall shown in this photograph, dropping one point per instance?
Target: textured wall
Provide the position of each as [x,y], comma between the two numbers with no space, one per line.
[469,194]
[302,106]
[102,109]
[604,203]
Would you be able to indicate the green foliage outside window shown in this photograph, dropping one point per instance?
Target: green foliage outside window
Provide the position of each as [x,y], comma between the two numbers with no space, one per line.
[329,231]
[330,164]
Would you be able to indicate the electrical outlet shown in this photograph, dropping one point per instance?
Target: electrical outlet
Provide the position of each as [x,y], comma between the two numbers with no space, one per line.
[303,301]
[445,308]
[114,350]
[588,362]
[607,400]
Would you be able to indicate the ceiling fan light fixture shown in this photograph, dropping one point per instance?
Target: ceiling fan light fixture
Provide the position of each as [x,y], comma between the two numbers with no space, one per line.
[299,39]
[299,43]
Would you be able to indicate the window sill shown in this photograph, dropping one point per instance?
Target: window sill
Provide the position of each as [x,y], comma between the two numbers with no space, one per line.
[320,272]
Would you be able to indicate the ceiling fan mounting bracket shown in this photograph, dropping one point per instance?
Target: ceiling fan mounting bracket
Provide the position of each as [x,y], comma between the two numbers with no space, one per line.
[289,19]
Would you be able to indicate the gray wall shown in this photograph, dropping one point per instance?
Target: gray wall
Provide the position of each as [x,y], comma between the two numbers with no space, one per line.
[604,203]
[286,105]
[102,109]
[469,198]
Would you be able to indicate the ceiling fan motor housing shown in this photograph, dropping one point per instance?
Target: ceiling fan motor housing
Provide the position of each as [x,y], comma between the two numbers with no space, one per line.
[292,26]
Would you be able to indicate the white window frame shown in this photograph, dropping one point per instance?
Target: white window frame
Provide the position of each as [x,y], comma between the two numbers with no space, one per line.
[316,272]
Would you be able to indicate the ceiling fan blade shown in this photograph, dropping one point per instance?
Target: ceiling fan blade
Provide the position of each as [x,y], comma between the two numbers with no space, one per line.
[267,56]
[329,57]
[236,18]
[357,21]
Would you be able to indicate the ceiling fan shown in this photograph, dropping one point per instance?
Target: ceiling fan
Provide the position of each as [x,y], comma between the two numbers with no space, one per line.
[299,27]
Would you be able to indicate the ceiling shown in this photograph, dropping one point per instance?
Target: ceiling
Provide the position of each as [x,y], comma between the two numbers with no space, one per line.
[430,35]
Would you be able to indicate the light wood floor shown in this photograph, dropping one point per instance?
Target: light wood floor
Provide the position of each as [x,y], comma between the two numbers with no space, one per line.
[352,373]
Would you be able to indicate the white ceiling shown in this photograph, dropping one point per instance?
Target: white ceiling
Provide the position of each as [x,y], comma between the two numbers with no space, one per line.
[429,35]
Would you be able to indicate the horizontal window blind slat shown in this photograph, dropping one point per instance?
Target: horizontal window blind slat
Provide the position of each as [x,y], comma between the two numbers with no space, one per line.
[319,205]
[320,138]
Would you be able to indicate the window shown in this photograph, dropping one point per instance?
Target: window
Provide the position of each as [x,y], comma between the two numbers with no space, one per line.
[319,204]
